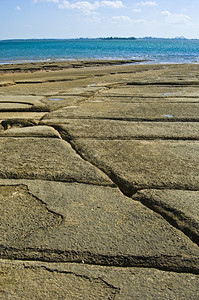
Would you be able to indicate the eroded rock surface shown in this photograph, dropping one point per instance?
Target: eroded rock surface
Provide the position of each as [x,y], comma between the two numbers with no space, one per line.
[46,158]
[138,164]
[98,225]
[130,111]
[180,207]
[99,181]
[30,131]
[119,130]
[39,280]
[21,103]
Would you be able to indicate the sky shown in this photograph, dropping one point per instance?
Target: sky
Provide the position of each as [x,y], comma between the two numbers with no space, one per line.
[97,18]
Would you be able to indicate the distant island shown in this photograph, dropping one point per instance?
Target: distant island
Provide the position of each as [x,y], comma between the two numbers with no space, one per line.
[118,38]
[159,38]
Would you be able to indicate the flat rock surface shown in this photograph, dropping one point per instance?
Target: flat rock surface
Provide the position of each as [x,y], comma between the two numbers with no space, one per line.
[129,111]
[99,181]
[58,101]
[21,103]
[182,207]
[23,280]
[113,129]
[31,131]
[158,91]
[136,164]
[22,115]
[87,223]
[141,99]
[46,158]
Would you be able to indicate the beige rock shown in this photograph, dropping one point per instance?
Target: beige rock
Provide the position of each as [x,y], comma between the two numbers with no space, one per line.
[58,101]
[46,158]
[156,91]
[130,111]
[6,83]
[180,207]
[22,115]
[141,99]
[113,129]
[139,164]
[33,131]
[21,103]
[39,280]
[138,124]
[7,106]
[76,222]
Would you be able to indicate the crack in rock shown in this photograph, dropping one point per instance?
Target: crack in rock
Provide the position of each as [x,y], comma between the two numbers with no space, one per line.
[22,213]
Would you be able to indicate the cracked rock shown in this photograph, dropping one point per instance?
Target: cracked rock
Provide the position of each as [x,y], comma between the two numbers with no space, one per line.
[46,158]
[141,164]
[180,207]
[113,129]
[39,280]
[34,281]
[21,103]
[33,131]
[129,111]
[98,225]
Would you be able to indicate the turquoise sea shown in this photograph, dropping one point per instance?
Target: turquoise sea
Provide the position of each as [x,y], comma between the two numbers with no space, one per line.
[153,50]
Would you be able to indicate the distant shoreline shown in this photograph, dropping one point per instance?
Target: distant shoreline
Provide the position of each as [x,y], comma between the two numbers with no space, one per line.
[99,38]
[62,65]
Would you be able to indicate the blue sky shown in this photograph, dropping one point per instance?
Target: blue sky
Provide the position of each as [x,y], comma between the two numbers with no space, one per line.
[74,18]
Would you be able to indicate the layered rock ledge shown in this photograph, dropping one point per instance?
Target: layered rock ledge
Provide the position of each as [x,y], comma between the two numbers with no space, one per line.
[99,177]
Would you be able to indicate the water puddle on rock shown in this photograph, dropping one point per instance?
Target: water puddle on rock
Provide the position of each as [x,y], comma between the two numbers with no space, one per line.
[56,99]
[169,116]
[171,94]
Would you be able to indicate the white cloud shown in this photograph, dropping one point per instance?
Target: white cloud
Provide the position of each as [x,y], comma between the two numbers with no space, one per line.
[122,18]
[148,3]
[166,13]
[140,21]
[85,7]
[175,18]
[113,4]
[127,19]
[89,8]
[137,10]
[18,8]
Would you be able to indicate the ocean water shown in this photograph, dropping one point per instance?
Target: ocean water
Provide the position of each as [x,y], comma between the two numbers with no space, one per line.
[153,50]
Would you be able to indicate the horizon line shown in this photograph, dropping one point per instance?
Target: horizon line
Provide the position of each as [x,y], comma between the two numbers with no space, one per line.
[95,38]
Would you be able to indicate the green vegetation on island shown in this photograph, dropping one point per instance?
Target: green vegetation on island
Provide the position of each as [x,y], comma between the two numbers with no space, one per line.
[118,38]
